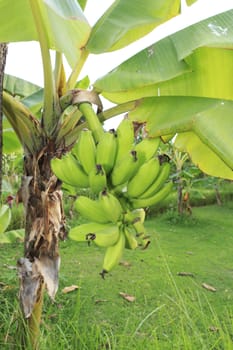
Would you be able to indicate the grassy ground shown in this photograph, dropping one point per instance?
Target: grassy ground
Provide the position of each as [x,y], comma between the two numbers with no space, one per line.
[170,311]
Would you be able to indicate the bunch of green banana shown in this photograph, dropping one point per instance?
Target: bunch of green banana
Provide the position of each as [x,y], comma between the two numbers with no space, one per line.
[125,176]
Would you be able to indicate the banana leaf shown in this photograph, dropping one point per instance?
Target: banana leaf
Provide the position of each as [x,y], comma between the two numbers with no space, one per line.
[12,236]
[66,26]
[196,61]
[11,142]
[5,218]
[126,21]
[192,68]
[19,87]
[211,120]
[209,162]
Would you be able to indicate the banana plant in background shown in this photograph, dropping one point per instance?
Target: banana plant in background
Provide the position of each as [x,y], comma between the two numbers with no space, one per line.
[178,86]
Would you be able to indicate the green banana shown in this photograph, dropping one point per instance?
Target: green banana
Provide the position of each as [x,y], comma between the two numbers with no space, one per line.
[85,150]
[106,150]
[111,207]
[97,179]
[103,235]
[135,219]
[147,148]
[113,254]
[70,171]
[107,237]
[84,232]
[125,169]
[143,178]
[130,240]
[159,181]
[125,138]
[91,209]
[154,199]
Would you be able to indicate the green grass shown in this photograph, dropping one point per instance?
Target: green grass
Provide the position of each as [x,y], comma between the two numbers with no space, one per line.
[170,311]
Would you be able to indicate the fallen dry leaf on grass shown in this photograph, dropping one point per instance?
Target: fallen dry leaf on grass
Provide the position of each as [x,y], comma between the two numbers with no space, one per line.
[185,274]
[10,267]
[70,289]
[127,297]
[213,329]
[98,301]
[208,287]
[125,263]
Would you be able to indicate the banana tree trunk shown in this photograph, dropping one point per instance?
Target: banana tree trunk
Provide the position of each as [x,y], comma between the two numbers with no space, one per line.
[179,194]
[3,53]
[41,195]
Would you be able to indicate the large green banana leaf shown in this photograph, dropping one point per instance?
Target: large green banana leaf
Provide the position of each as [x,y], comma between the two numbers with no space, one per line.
[196,61]
[66,26]
[126,21]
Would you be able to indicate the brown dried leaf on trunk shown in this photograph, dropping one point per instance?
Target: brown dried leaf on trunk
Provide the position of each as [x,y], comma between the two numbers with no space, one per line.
[49,269]
[127,297]
[30,284]
[70,289]
[209,287]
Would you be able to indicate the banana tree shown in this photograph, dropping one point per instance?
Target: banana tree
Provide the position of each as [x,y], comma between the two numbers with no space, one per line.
[51,130]
[168,85]
[3,51]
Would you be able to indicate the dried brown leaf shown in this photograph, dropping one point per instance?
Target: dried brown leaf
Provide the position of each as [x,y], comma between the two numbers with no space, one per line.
[213,329]
[127,297]
[98,301]
[185,274]
[209,287]
[70,289]
[10,267]
[125,263]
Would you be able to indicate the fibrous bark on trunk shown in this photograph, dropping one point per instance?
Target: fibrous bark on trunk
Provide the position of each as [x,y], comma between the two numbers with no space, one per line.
[3,53]
[41,195]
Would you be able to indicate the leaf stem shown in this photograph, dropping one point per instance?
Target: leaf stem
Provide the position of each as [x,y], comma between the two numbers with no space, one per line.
[116,110]
[92,120]
[49,117]
[77,69]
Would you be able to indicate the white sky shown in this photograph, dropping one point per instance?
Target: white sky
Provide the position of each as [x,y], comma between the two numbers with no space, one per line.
[24,60]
